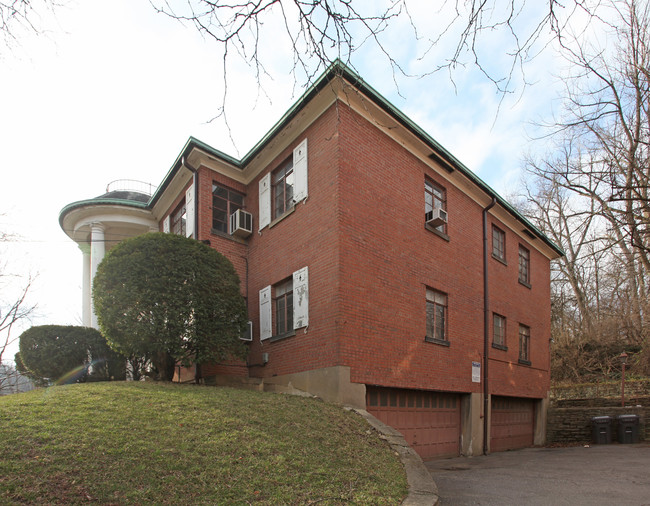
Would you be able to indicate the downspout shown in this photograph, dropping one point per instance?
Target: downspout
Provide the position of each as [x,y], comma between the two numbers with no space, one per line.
[486,326]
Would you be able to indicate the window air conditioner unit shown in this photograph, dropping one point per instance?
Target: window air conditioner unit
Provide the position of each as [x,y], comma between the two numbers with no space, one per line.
[436,217]
[241,223]
[247,334]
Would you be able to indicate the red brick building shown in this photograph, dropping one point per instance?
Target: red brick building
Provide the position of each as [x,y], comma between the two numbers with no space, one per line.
[378,270]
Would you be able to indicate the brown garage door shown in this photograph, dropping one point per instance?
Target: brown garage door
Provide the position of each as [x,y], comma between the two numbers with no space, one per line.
[513,423]
[429,421]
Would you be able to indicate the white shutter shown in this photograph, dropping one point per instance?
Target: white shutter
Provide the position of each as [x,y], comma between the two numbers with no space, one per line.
[301,298]
[189,211]
[265,313]
[166,224]
[265,201]
[300,171]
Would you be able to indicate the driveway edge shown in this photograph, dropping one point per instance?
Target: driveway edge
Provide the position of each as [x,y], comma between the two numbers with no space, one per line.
[423,491]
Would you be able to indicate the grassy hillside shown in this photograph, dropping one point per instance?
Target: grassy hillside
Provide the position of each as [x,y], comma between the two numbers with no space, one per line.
[137,443]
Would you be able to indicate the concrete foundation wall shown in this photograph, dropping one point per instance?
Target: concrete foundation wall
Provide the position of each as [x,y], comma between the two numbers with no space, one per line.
[471,437]
[541,418]
[332,384]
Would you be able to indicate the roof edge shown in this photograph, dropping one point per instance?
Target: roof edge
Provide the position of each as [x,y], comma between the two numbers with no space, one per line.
[99,201]
[341,70]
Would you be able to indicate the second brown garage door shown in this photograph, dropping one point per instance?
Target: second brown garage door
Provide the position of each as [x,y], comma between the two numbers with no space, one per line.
[429,421]
[513,423]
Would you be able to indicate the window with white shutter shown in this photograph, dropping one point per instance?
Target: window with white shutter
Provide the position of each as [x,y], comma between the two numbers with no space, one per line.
[189,207]
[166,225]
[301,298]
[265,313]
[265,201]
[286,185]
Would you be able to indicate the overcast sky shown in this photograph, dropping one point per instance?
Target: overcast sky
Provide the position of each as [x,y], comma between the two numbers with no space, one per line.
[114,91]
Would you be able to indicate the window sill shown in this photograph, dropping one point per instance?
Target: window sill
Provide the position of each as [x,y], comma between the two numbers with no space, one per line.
[524,362]
[523,283]
[283,216]
[499,347]
[436,341]
[499,259]
[437,232]
[232,238]
[279,337]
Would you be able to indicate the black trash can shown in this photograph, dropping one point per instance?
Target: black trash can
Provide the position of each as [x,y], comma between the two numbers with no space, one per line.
[601,429]
[628,428]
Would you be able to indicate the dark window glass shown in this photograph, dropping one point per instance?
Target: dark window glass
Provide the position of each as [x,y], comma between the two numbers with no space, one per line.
[499,325]
[498,243]
[524,343]
[178,219]
[436,315]
[224,202]
[435,197]
[283,302]
[282,186]
[524,265]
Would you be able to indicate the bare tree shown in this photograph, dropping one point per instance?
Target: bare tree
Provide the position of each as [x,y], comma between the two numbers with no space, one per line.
[602,170]
[13,309]
[20,17]
[319,32]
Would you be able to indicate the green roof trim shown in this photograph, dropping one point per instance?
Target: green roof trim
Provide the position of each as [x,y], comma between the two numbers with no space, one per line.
[337,69]
[100,201]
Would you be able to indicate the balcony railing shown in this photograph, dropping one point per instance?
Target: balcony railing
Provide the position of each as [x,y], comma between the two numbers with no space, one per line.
[131,185]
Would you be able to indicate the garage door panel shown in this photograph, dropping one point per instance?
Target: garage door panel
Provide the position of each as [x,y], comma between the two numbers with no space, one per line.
[512,423]
[429,422]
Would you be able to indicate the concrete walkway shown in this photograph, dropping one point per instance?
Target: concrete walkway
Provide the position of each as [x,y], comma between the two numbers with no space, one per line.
[598,474]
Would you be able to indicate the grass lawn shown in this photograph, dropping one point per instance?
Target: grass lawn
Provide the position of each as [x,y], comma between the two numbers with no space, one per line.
[137,443]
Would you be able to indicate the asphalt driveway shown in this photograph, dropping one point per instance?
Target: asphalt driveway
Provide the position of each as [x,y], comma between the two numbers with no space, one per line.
[598,474]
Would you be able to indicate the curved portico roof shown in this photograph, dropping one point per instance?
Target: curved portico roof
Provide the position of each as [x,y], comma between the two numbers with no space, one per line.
[122,213]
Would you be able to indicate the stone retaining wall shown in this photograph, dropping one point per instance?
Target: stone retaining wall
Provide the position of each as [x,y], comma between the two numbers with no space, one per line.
[633,388]
[573,424]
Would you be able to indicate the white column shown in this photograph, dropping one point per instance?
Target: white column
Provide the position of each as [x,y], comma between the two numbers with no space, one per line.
[97,250]
[85,285]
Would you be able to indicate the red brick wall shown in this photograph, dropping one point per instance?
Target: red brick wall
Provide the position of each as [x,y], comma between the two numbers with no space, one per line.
[361,233]
[520,304]
[307,237]
[388,259]
[236,251]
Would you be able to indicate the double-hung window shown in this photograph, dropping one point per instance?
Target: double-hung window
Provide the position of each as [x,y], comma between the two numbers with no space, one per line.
[524,266]
[499,331]
[283,306]
[524,344]
[436,316]
[179,219]
[282,187]
[435,197]
[498,243]
[224,202]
